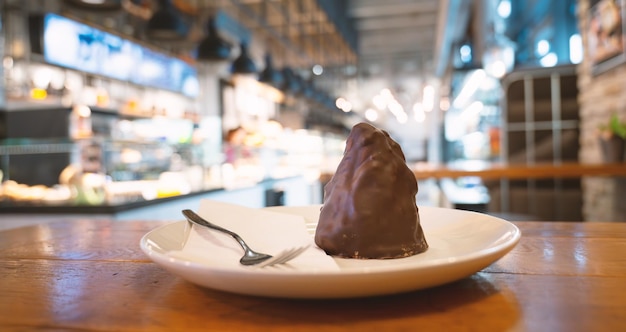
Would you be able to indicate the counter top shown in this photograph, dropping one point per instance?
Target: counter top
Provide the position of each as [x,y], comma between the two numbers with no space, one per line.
[517,171]
[487,170]
[9,206]
[91,275]
[106,208]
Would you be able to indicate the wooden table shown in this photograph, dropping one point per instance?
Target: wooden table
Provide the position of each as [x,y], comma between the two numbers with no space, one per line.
[90,275]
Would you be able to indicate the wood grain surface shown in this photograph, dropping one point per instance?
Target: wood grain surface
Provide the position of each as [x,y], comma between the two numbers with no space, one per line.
[519,171]
[90,275]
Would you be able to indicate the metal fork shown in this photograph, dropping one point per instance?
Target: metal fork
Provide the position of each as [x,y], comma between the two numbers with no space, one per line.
[250,257]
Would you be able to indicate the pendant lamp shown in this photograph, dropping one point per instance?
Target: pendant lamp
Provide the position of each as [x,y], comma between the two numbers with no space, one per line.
[269,75]
[99,5]
[243,64]
[308,89]
[291,83]
[166,23]
[213,47]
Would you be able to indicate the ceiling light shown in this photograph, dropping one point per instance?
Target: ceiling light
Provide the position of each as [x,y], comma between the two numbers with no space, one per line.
[317,70]
[428,98]
[466,53]
[576,49]
[499,58]
[444,104]
[340,102]
[471,84]
[371,115]
[543,47]
[472,111]
[395,108]
[398,111]
[347,107]
[419,114]
[386,93]
[343,104]
[504,8]
[213,47]
[243,64]
[165,23]
[550,60]
[380,102]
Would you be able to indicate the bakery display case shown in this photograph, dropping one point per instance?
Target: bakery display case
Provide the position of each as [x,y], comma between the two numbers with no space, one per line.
[141,164]
[84,156]
[96,171]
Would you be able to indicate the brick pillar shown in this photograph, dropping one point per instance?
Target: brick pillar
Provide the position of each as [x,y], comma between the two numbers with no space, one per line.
[600,96]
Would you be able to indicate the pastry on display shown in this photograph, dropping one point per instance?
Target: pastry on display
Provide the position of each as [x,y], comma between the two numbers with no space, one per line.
[369,209]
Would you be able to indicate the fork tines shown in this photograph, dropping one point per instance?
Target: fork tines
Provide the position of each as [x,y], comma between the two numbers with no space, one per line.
[283,256]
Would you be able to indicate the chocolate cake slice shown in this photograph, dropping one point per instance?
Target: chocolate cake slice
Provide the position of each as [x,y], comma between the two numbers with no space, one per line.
[369,208]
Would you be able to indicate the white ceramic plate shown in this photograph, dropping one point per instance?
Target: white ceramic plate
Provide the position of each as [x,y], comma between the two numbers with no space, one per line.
[461,243]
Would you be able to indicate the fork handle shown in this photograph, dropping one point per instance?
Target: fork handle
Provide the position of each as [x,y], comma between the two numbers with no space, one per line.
[196,219]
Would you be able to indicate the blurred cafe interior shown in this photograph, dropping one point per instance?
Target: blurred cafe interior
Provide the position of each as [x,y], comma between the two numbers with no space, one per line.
[136,109]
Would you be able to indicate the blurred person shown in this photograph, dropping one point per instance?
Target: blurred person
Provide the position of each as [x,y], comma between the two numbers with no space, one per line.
[235,148]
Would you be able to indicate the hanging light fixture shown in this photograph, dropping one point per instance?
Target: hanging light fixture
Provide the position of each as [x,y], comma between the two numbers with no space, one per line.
[213,47]
[499,57]
[270,75]
[243,64]
[291,82]
[166,23]
[308,89]
[100,5]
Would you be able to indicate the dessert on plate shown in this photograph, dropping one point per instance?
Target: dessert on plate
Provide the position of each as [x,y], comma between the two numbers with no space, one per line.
[369,209]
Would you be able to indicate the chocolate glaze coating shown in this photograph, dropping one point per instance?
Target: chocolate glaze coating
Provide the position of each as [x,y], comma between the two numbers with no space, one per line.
[369,208]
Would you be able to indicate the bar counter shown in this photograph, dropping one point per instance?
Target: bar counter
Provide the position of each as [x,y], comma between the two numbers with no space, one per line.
[91,275]
[493,171]
[517,171]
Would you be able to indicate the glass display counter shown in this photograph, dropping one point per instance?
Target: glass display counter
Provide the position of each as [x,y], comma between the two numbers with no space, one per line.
[105,176]
[96,171]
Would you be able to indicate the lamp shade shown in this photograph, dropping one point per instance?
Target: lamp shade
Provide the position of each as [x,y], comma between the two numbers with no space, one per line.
[166,23]
[291,81]
[308,89]
[213,47]
[270,75]
[243,64]
[99,5]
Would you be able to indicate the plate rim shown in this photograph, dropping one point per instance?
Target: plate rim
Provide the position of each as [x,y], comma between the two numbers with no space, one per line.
[500,249]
